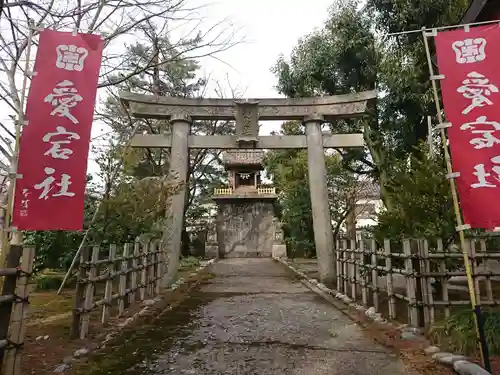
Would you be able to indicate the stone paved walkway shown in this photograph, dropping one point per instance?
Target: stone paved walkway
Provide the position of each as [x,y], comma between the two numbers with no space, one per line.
[253,318]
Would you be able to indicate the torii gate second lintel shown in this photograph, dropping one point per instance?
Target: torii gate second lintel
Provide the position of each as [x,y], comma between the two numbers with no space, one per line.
[247,113]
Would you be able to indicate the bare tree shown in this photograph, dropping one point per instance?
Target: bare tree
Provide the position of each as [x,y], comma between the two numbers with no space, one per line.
[191,36]
[118,21]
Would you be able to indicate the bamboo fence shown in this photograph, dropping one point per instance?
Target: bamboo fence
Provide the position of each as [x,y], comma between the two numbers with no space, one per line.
[14,306]
[366,273]
[109,284]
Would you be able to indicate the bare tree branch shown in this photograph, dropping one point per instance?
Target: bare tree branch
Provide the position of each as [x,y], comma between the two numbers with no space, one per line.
[120,21]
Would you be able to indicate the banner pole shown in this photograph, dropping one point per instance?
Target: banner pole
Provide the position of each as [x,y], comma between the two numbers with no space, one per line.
[16,236]
[478,317]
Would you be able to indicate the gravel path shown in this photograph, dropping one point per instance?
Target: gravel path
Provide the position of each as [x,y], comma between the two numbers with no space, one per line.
[253,318]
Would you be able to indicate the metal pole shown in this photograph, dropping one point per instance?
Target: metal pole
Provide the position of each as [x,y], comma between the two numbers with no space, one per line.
[94,217]
[444,27]
[16,236]
[478,318]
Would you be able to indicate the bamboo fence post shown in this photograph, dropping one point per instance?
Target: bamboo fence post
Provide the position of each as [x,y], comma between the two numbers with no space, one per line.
[89,293]
[135,265]
[339,265]
[17,326]
[410,284]
[428,282]
[359,268]
[444,279]
[128,275]
[415,260]
[159,264]
[375,293]
[151,269]
[345,273]
[122,291]
[473,261]
[353,269]
[79,293]
[364,286]
[388,269]
[144,271]
[8,289]
[422,287]
[489,289]
[108,290]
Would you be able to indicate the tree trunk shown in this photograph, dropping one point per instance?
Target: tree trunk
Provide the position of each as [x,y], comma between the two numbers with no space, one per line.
[351,226]
[185,243]
[378,156]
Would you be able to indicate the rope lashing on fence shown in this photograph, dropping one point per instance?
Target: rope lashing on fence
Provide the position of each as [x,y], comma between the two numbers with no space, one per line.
[6,344]
[416,278]
[138,270]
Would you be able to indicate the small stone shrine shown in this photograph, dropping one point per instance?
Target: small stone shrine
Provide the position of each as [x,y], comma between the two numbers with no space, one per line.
[244,223]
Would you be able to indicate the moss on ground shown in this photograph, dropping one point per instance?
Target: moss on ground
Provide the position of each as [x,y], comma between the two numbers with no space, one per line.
[136,345]
[47,304]
[51,315]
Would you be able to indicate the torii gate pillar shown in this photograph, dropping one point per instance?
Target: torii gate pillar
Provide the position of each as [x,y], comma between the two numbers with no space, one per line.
[322,222]
[178,173]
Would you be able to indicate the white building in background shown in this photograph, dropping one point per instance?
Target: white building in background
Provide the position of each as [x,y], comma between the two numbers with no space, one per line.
[368,206]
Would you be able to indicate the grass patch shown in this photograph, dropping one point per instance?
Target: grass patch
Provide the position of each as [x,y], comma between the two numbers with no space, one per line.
[155,332]
[458,333]
[188,263]
[51,280]
[47,304]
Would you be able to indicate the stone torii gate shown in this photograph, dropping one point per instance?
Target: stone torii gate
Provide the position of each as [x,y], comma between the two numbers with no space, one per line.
[247,113]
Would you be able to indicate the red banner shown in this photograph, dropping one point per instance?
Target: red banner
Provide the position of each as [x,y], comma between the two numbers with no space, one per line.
[471,95]
[50,189]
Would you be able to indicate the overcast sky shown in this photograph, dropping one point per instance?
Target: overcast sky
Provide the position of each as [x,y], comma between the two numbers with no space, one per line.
[269,28]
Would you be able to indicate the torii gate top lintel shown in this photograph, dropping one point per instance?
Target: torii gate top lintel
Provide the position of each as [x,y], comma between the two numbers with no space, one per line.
[330,107]
[247,113]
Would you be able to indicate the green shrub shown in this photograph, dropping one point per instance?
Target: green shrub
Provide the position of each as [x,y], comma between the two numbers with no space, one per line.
[52,281]
[458,333]
[190,262]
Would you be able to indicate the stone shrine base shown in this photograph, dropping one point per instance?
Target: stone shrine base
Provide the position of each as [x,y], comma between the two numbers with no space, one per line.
[243,252]
[245,228]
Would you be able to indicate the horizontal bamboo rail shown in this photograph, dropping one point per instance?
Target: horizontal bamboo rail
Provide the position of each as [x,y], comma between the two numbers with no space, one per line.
[411,280]
[132,276]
